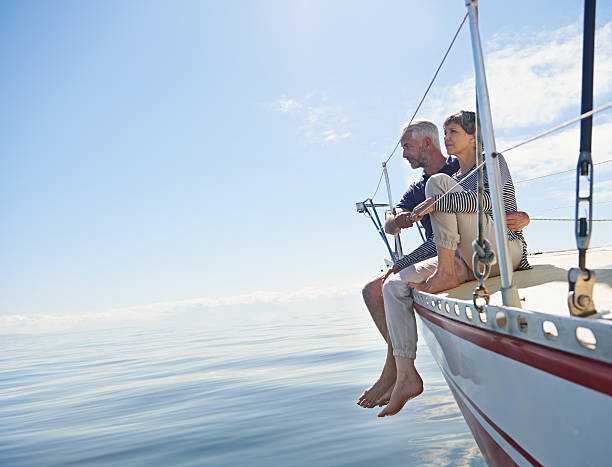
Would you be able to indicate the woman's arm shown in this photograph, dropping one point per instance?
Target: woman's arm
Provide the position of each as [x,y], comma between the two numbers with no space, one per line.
[467,201]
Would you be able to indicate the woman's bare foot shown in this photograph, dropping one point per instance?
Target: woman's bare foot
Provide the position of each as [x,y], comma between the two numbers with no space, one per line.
[404,390]
[374,393]
[384,400]
[437,282]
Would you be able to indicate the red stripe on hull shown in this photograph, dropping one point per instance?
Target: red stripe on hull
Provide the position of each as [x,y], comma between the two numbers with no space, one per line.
[491,451]
[452,385]
[593,374]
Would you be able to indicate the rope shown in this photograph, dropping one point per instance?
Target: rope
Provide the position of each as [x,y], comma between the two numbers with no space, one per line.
[424,96]
[378,186]
[484,256]
[432,80]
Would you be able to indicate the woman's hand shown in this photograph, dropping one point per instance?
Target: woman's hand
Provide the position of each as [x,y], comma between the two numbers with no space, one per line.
[517,220]
[422,209]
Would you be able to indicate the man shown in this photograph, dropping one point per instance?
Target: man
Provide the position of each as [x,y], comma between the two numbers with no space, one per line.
[421,148]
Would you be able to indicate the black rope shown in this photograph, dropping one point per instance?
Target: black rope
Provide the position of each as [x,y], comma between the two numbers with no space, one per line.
[432,81]
[378,186]
[424,96]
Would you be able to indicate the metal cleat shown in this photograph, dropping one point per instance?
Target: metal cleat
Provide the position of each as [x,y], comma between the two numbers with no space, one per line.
[580,298]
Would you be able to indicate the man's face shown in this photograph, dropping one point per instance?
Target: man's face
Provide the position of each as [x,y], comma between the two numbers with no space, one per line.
[413,151]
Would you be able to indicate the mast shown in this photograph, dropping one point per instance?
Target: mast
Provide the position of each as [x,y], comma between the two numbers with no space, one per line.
[509,291]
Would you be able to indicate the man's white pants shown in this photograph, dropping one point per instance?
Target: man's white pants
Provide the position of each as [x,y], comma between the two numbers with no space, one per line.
[454,231]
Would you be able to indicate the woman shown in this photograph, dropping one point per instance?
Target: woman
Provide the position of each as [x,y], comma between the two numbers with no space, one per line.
[452,204]
[454,215]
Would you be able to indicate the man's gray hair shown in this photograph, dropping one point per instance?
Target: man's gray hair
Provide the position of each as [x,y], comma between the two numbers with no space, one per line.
[422,128]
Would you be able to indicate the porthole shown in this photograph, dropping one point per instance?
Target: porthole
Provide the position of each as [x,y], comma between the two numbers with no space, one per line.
[586,338]
[550,330]
[522,324]
[483,317]
[501,320]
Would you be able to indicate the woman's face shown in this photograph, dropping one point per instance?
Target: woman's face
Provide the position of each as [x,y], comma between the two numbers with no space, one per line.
[457,141]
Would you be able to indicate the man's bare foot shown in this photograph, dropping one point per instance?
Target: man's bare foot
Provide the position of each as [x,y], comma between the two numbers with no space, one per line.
[437,282]
[371,396]
[403,391]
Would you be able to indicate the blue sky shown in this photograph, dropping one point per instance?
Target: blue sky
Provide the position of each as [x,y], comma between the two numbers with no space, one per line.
[212,152]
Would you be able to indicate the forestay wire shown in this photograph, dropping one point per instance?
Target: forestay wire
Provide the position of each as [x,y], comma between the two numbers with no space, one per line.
[538,136]
[563,125]
[422,99]
[557,173]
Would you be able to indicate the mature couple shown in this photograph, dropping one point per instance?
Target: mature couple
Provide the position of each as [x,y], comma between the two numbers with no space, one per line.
[444,261]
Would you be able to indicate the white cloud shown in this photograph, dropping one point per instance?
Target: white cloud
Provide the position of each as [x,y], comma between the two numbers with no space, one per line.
[558,151]
[284,104]
[260,296]
[533,80]
[534,84]
[142,314]
[320,122]
[332,135]
[603,191]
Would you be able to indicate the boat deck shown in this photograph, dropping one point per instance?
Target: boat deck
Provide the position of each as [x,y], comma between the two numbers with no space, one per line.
[544,288]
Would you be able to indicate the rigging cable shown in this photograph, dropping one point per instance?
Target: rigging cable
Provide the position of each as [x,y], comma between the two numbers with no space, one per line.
[423,98]
[563,125]
[572,205]
[563,219]
[557,173]
[558,127]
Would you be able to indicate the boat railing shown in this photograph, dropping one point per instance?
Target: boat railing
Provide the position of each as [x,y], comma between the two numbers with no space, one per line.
[368,207]
[586,337]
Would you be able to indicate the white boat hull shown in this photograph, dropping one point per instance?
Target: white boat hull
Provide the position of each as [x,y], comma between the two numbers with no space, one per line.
[525,403]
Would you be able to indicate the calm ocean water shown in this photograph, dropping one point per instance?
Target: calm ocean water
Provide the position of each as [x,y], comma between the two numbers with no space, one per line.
[271,384]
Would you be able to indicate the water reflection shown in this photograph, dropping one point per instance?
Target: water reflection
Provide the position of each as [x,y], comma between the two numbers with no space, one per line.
[262,386]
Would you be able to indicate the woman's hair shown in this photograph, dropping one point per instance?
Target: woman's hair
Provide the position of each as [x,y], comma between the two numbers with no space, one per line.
[466,119]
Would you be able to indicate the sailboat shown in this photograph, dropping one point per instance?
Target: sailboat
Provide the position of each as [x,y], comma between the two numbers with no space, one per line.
[529,363]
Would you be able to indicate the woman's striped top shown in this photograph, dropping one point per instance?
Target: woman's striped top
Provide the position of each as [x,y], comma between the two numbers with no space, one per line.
[467,201]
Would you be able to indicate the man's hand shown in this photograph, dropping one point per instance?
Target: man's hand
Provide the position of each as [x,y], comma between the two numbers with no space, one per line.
[517,220]
[403,220]
[392,270]
[422,209]
[394,224]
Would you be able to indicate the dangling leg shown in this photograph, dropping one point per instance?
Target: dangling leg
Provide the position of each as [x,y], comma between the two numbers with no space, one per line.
[407,386]
[380,390]
[401,324]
